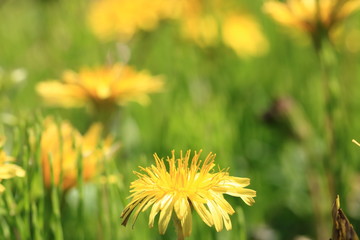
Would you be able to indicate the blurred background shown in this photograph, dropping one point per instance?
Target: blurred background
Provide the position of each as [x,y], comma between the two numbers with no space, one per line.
[236,83]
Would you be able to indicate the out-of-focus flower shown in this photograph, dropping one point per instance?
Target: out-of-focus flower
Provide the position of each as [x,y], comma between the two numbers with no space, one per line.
[311,16]
[8,169]
[102,87]
[18,75]
[352,40]
[185,186]
[11,79]
[242,33]
[64,146]
[202,30]
[209,23]
[121,19]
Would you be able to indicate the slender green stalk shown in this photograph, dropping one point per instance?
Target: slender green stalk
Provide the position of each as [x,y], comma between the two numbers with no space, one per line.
[179,229]
[56,213]
[331,89]
[37,193]
[104,205]
[242,224]
[80,184]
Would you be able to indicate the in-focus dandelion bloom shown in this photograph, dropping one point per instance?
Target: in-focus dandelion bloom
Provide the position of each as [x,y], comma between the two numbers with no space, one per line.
[311,16]
[102,87]
[185,186]
[63,146]
[121,19]
[8,169]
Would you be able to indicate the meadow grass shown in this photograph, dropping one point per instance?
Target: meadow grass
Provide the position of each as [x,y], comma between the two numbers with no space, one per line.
[212,100]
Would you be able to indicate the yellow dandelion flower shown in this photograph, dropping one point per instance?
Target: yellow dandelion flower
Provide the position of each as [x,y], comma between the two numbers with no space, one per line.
[7,169]
[310,15]
[203,30]
[100,88]
[64,145]
[242,33]
[121,19]
[208,23]
[183,187]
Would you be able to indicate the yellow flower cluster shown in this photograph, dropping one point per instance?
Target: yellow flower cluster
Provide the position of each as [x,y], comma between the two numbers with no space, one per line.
[207,23]
[185,186]
[101,87]
[8,169]
[121,19]
[63,146]
[203,22]
[311,15]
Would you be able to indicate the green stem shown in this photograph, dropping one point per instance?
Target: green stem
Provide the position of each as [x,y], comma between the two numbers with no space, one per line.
[179,229]
[327,58]
[105,112]
[332,115]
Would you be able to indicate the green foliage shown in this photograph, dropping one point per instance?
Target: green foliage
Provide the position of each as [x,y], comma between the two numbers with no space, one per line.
[213,100]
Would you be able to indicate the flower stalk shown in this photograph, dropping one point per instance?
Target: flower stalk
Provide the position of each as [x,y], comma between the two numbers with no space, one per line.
[331,89]
[179,228]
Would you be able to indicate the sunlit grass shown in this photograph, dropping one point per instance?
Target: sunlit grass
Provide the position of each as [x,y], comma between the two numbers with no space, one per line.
[212,99]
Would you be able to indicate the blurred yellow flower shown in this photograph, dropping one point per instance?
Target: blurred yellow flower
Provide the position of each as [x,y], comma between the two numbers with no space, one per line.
[121,19]
[7,169]
[102,87]
[242,34]
[63,146]
[185,186]
[203,30]
[204,22]
[209,23]
[311,16]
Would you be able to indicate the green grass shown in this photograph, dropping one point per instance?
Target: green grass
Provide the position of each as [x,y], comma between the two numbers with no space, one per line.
[213,100]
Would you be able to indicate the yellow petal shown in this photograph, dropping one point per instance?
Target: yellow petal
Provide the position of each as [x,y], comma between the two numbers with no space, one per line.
[203,212]
[141,206]
[281,13]
[56,93]
[186,222]
[216,215]
[248,200]
[154,211]
[11,170]
[180,207]
[222,203]
[166,212]
[348,8]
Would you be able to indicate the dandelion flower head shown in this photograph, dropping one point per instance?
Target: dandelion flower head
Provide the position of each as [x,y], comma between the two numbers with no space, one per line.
[207,23]
[309,15]
[63,146]
[242,33]
[102,87]
[183,186]
[121,19]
